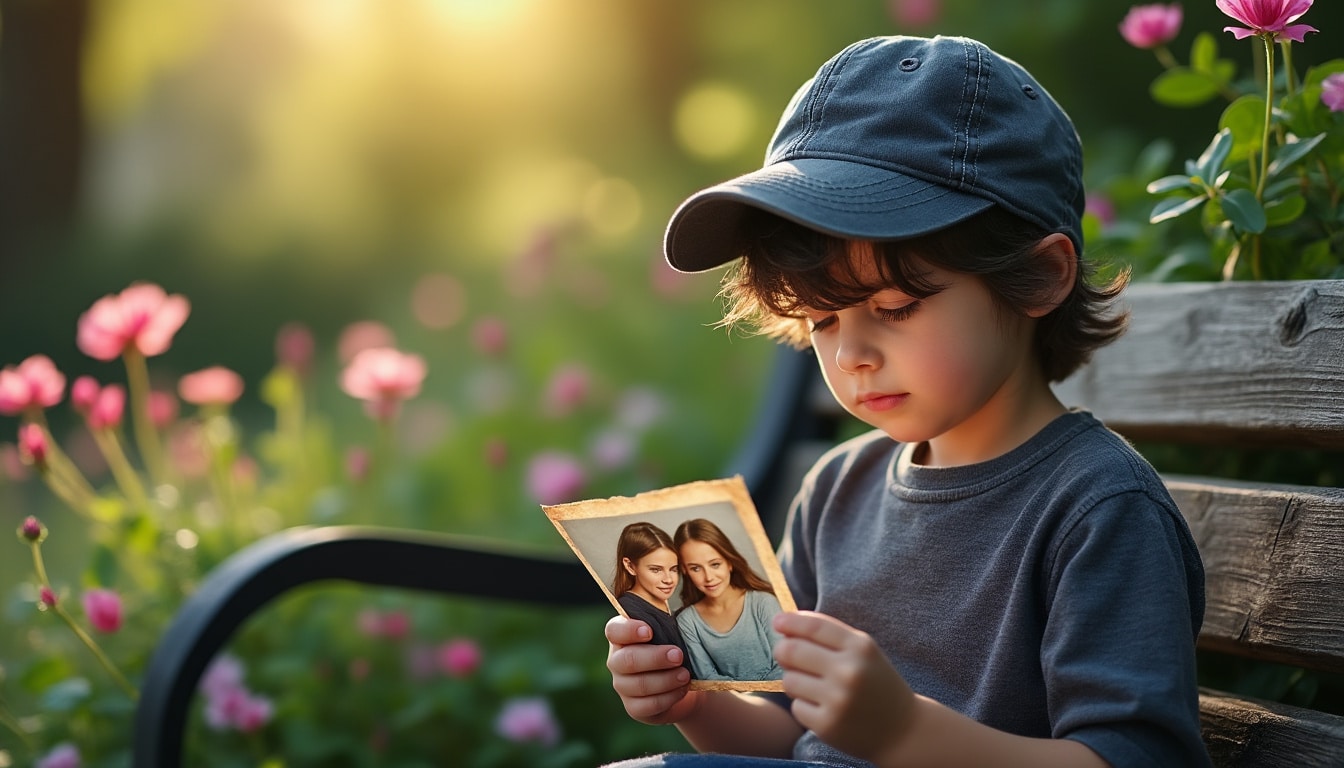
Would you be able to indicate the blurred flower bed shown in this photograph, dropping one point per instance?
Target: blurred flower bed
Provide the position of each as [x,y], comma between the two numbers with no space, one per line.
[132,484]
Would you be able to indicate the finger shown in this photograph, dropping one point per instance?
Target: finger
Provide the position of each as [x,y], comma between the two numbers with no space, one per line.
[641,657]
[623,631]
[802,655]
[801,686]
[816,627]
[652,684]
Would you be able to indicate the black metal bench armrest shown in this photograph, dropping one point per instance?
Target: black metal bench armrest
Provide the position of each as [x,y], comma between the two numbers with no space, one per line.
[254,576]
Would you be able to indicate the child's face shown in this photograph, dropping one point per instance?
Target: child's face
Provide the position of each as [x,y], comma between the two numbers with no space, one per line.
[951,369]
[708,570]
[656,575]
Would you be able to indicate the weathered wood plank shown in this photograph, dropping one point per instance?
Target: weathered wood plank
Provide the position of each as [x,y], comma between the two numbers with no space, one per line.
[1212,362]
[1249,732]
[1274,568]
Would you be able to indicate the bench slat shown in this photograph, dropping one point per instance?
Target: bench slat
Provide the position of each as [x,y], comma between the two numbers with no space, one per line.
[1272,556]
[1212,362]
[1241,731]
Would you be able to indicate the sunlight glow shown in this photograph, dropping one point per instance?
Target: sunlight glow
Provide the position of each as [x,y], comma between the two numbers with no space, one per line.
[714,121]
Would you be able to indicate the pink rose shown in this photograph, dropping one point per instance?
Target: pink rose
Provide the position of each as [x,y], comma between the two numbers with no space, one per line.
[383,377]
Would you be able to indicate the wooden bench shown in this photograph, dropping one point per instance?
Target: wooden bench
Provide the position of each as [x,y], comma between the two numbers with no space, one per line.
[1228,364]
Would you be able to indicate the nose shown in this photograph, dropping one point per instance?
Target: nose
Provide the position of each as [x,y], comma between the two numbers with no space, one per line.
[855,350]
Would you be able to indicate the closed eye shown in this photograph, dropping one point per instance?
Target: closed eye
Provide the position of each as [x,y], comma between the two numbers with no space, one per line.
[899,313]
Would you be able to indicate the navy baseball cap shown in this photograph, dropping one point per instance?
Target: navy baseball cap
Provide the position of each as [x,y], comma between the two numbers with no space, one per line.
[897,137]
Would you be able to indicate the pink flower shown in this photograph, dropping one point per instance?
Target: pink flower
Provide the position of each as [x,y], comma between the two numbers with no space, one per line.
[915,13]
[1148,26]
[33,445]
[392,625]
[34,384]
[496,452]
[459,657]
[554,478]
[103,607]
[108,409]
[566,390]
[1271,18]
[490,336]
[1101,207]
[239,709]
[215,385]
[294,347]
[358,460]
[63,755]
[528,720]
[47,596]
[142,317]
[224,674]
[84,393]
[612,449]
[383,377]
[32,530]
[11,463]
[363,335]
[162,408]
[1332,92]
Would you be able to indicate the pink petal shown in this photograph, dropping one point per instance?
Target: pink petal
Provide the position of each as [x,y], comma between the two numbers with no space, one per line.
[211,386]
[1297,32]
[101,330]
[160,326]
[1241,33]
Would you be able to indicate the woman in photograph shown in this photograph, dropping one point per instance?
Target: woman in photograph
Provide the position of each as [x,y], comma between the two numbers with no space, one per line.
[647,574]
[726,608]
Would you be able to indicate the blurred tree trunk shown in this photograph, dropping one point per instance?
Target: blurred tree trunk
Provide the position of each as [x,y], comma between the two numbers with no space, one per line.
[41,121]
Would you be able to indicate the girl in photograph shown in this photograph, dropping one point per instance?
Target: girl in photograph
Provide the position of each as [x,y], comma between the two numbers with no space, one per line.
[726,608]
[647,574]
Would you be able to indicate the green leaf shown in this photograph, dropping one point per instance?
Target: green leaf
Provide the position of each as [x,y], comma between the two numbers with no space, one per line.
[45,673]
[66,695]
[1245,119]
[1183,87]
[1170,184]
[1291,152]
[1244,211]
[1173,207]
[1211,160]
[1204,53]
[1285,211]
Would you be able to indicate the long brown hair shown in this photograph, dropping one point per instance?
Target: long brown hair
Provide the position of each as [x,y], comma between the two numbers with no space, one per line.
[743,577]
[636,541]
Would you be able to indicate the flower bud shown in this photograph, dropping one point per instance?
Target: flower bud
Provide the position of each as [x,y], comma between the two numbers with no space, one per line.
[48,597]
[33,445]
[32,530]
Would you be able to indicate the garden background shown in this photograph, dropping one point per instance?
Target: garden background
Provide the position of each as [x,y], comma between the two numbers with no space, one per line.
[483,183]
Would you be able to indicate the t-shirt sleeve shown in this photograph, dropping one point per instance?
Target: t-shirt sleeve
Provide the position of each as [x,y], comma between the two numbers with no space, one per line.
[1126,688]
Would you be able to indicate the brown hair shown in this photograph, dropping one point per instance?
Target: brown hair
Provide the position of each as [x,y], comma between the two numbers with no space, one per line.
[636,541]
[743,577]
[787,267]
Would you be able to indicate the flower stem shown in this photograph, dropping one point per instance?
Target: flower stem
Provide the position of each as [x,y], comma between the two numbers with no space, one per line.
[7,720]
[111,668]
[146,437]
[98,652]
[1269,111]
[127,479]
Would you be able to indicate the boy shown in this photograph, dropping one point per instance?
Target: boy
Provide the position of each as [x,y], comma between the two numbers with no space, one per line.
[991,578]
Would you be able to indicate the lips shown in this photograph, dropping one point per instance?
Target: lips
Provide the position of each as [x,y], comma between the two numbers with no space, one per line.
[877,401]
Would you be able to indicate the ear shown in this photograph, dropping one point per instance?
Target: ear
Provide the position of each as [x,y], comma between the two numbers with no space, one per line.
[629,566]
[1061,266]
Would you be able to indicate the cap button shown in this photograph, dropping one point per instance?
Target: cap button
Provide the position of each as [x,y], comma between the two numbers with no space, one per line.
[909,65]
[1031,92]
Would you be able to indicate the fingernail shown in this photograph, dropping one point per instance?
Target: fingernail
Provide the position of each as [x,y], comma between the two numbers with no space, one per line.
[683,676]
[674,655]
[644,633]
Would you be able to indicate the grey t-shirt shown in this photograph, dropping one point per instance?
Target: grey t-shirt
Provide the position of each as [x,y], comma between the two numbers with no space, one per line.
[745,652]
[1054,591]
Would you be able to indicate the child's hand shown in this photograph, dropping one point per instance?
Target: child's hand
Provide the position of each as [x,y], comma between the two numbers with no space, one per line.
[844,688]
[650,680]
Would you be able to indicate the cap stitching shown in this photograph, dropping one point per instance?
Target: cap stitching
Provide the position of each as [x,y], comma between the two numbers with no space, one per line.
[816,106]
[957,125]
[984,71]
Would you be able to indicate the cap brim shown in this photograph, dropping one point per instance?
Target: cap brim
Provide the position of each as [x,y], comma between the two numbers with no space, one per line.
[838,197]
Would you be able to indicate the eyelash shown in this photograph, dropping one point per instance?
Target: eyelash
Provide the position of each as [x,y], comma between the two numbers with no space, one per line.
[888,315]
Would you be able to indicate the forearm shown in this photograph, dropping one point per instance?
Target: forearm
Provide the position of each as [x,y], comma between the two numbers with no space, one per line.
[937,735]
[738,724]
